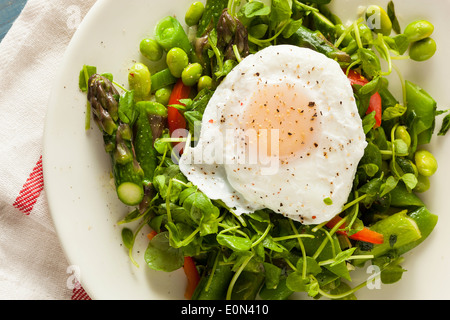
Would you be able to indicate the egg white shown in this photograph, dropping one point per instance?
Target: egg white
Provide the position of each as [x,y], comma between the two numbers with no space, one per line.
[311,185]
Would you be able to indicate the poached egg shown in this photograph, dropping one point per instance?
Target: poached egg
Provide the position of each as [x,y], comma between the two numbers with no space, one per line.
[282,132]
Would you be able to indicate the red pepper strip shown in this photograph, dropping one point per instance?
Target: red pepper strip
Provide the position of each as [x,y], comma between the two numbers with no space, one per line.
[375,100]
[174,116]
[192,276]
[365,234]
[175,119]
[151,235]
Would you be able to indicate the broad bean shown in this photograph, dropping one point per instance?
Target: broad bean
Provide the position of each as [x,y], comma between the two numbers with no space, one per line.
[194,13]
[205,82]
[139,80]
[151,49]
[426,163]
[378,20]
[177,60]
[402,133]
[423,49]
[162,95]
[418,30]
[423,184]
[191,74]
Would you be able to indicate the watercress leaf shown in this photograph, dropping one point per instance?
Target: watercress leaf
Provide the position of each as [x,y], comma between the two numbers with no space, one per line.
[371,87]
[127,238]
[410,180]
[292,28]
[169,176]
[161,256]
[400,146]
[372,155]
[174,235]
[200,209]
[296,282]
[389,185]
[260,215]
[343,256]
[402,43]
[393,112]
[281,11]
[369,122]
[108,76]
[194,120]
[370,62]
[255,8]
[258,31]
[273,274]
[313,287]
[393,17]
[272,245]
[343,288]
[235,243]
[312,267]
[445,126]
[370,169]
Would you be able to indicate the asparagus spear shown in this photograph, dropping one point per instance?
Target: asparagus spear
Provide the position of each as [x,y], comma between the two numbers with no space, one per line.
[117,136]
[305,37]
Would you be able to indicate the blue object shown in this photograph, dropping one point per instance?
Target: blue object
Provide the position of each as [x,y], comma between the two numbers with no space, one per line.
[9,11]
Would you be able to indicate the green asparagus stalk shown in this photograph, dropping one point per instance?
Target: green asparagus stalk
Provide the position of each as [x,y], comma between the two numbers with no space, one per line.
[305,37]
[118,137]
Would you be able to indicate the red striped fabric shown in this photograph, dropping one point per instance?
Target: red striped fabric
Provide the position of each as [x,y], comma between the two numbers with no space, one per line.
[31,190]
[80,294]
[25,202]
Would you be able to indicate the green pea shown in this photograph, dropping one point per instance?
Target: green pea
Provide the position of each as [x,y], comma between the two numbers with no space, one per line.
[194,13]
[177,59]
[402,133]
[139,80]
[418,30]
[423,49]
[205,82]
[151,49]
[423,184]
[162,96]
[378,20]
[191,74]
[426,163]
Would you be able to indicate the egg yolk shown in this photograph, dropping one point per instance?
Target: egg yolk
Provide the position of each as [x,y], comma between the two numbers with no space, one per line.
[282,119]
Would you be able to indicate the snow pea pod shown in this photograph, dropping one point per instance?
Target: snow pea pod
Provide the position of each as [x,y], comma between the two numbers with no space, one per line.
[426,221]
[401,197]
[169,33]
[213,11]
[399,231]
[420,115]
[148,127]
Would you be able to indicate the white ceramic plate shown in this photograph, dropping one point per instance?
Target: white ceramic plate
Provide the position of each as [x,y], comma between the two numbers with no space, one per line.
[85,209]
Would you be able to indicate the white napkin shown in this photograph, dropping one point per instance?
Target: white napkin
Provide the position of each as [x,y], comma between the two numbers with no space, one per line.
[32,263]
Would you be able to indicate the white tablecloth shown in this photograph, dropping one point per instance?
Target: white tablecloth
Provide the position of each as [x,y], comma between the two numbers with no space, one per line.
[32,262]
